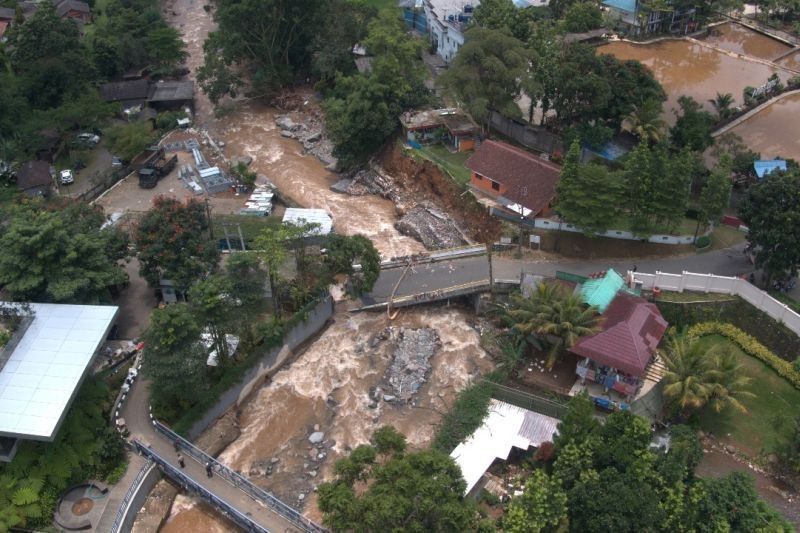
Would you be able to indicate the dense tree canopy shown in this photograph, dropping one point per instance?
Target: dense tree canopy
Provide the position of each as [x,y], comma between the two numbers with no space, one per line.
[173,243]
[416,492]
[487,73]
[59,253]
[771,211]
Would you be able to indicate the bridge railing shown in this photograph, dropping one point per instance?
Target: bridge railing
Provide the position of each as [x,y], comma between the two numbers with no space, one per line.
[240,482]
[123,505]
[241,519]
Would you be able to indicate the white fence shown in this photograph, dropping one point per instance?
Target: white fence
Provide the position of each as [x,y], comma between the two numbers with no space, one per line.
[690,281]
[546,223]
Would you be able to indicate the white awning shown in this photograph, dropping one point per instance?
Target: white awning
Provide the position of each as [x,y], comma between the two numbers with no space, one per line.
[505,426]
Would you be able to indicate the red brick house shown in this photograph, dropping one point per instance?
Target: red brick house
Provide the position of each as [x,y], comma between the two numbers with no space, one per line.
[74,9]
[618,357]
[515,177]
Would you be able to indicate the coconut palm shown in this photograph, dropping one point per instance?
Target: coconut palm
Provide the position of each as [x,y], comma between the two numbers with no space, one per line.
[696,377]
[569,320]
[552,315]
[722,105]
[645,122]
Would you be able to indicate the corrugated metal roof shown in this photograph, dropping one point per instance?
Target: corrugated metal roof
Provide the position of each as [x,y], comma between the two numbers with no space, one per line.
[765,167]
[298,216]
[623,5]
[601,291]
[505,426]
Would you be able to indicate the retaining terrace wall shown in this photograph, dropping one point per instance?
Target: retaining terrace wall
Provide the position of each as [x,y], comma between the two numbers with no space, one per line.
[691,281]
[269,363]
[546,223]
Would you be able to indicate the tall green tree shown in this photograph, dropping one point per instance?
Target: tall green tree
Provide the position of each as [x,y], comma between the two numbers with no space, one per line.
[174,359]
[333,44]
[416,492]
[346,251]
[722,105]
[130,139]
[487,73]
[59,253]
[583,16]
[732,504]
[716,194]
[541,507]
[588,195]
[173,244]
[771,211]
[504,15]
[166,50]
[692,129]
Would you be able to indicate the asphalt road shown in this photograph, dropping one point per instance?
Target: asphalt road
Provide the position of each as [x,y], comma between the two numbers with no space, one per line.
[447,274]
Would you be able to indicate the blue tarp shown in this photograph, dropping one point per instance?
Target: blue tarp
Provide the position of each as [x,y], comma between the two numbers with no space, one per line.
[622,5]
[611,151]
[764,167]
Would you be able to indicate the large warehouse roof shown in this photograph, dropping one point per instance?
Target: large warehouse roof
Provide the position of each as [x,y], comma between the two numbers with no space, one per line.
[47,365]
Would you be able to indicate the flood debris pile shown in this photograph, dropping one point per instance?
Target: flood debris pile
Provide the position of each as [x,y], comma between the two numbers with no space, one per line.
[412,350]
[309,130]
[366,181]
[432,227]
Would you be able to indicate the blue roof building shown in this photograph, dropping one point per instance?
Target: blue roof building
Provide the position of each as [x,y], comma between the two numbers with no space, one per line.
[767,166]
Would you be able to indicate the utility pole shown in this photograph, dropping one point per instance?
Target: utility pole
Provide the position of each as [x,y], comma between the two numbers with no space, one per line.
[491,273]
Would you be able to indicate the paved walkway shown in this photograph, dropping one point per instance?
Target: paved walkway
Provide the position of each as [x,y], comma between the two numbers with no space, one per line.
[118,492]
[137,418]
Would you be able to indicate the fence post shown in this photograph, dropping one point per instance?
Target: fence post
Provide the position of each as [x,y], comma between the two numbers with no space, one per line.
[682,281]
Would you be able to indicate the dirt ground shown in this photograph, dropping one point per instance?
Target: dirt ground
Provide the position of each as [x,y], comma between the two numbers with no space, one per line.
[127,196]
[135,303]
[569,244]
[424,181]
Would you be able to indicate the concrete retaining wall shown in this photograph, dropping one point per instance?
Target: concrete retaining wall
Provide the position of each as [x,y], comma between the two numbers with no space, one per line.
[151,477]
[691,281]
[269,363]
[545,223]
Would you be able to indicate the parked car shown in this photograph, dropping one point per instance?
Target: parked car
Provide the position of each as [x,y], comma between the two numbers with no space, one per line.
[66,177]
[116,162]
[87,137]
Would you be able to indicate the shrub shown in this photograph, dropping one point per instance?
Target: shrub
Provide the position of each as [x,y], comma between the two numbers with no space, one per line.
[750,346]
[703,241]
[794,81]
[469,410]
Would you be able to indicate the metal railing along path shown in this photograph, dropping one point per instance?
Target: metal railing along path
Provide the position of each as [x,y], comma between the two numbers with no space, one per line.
[240,482]
[241,519]
[123,505]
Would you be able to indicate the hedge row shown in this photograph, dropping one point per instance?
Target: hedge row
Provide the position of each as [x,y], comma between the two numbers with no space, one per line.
[750,346]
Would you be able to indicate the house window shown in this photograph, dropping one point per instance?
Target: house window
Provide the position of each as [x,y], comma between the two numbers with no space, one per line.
[495,186]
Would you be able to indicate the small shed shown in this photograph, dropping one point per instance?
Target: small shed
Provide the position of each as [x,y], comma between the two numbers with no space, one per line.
[171,95]
[298,217]
[768,166]
[34,178]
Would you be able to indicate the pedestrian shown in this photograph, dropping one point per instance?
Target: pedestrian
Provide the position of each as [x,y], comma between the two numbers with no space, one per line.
[208,469]
[180,461]
[177,445]
[634,268]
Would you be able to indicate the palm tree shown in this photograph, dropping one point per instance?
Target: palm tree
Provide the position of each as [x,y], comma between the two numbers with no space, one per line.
[729,384]
[569,320]
[696,377]
[645,122]
[552,315]
[722,105]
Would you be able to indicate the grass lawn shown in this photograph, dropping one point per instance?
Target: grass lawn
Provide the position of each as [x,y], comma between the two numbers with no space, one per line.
[769,413]
[251,226]
[725,237]
[453,163]
[688,296]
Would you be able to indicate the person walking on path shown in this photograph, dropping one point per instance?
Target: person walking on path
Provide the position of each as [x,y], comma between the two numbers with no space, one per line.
[180,461]
[177,445]
[208,469]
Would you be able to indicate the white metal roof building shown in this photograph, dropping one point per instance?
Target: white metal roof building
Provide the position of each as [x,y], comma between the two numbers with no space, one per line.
[47,365]
[505,426]
[297,217]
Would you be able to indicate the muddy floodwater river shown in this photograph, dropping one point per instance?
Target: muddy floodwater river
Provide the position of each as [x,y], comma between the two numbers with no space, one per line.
[687,67]
[775,130]
[742,40]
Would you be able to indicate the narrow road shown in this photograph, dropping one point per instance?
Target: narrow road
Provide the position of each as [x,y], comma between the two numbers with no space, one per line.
[446,274]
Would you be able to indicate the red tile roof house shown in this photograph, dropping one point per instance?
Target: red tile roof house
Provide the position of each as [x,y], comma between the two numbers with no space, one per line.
[514,176]
[620,357]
